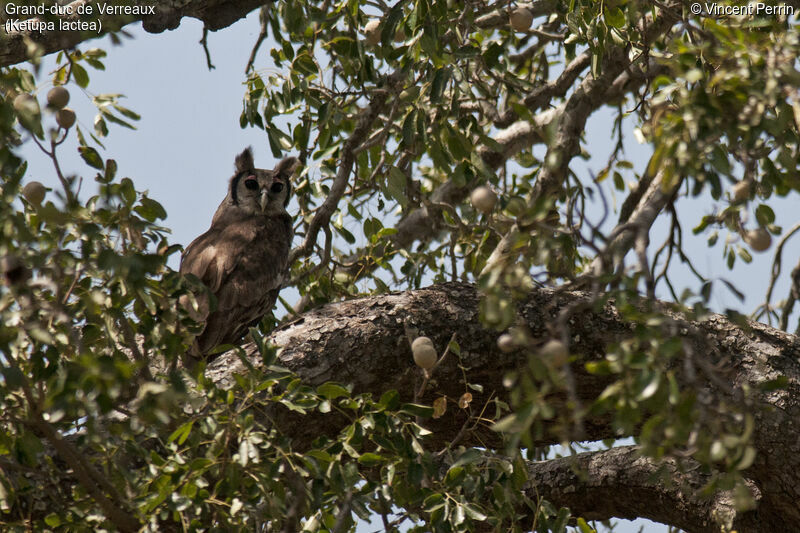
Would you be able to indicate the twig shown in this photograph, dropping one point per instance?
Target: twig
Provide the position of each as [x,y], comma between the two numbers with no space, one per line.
[776,263]
[262,17]
[204,42]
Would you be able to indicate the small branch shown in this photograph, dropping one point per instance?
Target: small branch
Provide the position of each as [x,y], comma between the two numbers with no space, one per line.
[204,42]
[585,482]
[346,162]
[262,17]
[776,263]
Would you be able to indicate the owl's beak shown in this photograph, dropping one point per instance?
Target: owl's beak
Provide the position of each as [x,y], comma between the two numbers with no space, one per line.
[264,200]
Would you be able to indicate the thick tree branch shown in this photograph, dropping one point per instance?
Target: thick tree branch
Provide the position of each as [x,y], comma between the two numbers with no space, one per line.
[591,93]
[215,14]
[425,223]
[544,94]
[363,343]
[499,17]
[620,483]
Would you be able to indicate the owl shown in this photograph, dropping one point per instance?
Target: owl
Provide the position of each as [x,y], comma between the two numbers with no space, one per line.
[243,257]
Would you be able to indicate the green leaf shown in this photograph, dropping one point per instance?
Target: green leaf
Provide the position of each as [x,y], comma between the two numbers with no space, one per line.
[182,433]
[331,390]
[304,64]
[371,459]
[414,409]
[747,459]
[396,186]
[614,17]
[439,84]
[150,210]
[91,157]
[80,75]
[127,112]
[390,399]
[765,215]
[584,527]
[470,456]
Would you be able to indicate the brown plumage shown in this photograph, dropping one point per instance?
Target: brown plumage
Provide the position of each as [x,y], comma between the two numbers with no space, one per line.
[243,257]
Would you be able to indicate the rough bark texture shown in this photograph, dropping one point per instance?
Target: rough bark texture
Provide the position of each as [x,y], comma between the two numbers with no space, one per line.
[363,342]
[215,14]
[620,482]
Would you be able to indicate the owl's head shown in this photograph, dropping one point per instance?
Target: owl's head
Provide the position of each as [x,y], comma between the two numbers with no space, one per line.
[257,191]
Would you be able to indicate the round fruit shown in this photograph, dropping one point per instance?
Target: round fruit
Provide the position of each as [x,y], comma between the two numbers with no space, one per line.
[65,118]
[741,191]
[34,192]
[483,199]
[758,239]
[420,341]
[425,355]
[26,103]
[521,19]
[554,352]
[57,98]
[506,343]
[372,32]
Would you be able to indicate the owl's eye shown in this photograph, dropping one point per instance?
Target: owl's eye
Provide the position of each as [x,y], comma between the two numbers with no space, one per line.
[251,184]
[276,187]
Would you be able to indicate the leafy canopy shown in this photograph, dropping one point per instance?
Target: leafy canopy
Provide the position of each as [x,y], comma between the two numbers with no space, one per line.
[397,126]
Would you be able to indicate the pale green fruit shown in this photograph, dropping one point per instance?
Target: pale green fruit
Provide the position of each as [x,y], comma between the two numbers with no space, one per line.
[758,239]
[26,103]
[554,352]
[34,192]
[506,343]
[57,98]
[65,118]
[521,19]
[372,32]
[483,199]
[425,355]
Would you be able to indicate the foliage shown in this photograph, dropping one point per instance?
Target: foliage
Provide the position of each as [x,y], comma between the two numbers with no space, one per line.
[448,97]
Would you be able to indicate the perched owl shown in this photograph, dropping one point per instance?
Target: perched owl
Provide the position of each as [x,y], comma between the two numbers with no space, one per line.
[243,257]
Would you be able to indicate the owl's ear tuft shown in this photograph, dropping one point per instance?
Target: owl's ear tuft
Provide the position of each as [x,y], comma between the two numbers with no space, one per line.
[287,167]
[244,161]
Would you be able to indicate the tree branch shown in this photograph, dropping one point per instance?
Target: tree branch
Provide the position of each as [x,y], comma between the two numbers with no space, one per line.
[324,212]
[216,14]
[363,343]
[621,483]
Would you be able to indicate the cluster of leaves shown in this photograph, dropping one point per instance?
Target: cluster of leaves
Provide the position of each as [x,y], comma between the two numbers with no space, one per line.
[95,301]
[428,134]
[730,111]
[92,438]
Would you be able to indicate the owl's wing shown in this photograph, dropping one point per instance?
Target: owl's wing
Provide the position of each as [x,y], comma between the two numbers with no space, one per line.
[210,258]
[236,263]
